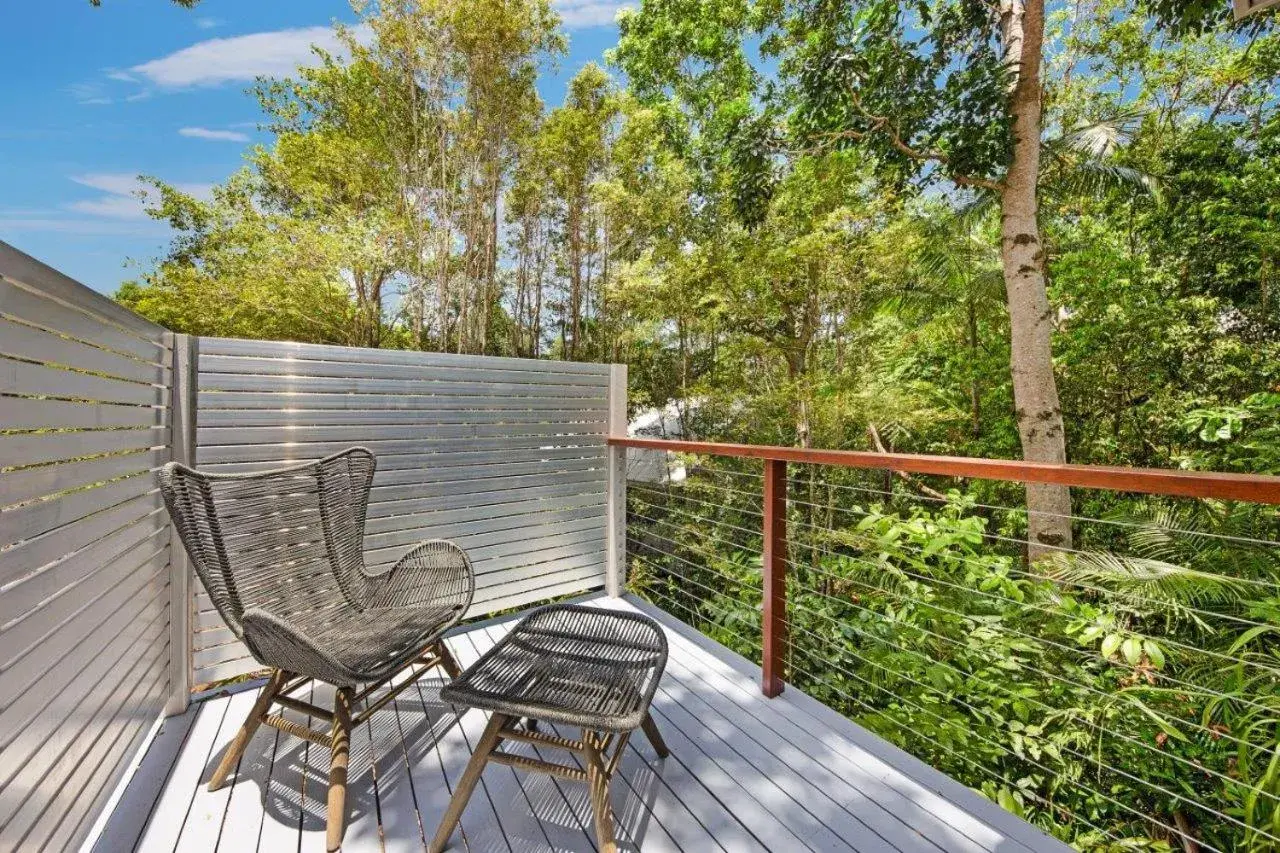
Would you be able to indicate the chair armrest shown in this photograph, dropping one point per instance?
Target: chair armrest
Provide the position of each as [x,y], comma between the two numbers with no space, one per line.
[277,642]
[435,573]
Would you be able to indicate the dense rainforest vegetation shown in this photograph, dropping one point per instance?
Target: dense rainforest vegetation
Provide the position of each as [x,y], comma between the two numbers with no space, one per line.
[994,228]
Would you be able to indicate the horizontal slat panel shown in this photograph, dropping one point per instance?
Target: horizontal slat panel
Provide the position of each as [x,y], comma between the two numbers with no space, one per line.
[494,518]
[29,696]
[479,534]
[508,600]
[206,619]
[391,513]
[35,589]
[315,450]
[431,462]
[490,569]
[98,774]
[37,380]
[85,788]
[42,550]
[29,413]
[288,349]
[417,521]
[108,664]
[476,372]
[580,571]
[218,634]
[387,479]
[424,417]
[30,627]
[241,666]
[388,498]
[366,434]
[27,483]
[339,385]
[31,307]
[35,519]
[389,402]
[207,656]
[32,448]
[492,565]
[34,344]
[430,487]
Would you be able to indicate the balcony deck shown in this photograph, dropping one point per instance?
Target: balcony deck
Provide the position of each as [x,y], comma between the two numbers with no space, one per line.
[746,773]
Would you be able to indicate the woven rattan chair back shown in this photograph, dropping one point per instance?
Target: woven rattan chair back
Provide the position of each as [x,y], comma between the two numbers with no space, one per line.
[289,540]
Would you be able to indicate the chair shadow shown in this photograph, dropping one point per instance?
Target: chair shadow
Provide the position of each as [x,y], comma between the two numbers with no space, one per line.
[292,775]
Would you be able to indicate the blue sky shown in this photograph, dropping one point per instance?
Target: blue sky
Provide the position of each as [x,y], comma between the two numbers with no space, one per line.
[93,97]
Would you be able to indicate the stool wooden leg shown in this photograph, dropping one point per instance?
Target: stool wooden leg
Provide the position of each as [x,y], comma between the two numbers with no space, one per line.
[655,736]
[488,742]
[260,708]
[447,660]
[341,747]
[598,785]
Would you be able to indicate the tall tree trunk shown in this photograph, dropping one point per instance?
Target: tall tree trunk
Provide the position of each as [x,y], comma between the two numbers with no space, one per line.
[1035,391]
[975,393]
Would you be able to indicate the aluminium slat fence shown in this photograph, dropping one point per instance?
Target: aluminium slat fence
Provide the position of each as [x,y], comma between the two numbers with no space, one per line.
[102,626]
[84,549]
[506,456]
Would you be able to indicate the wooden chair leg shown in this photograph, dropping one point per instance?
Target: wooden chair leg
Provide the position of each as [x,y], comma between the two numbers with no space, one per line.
[232,756]
[488,742]
[341,746]
[447,660]
[655,736]
[598,785]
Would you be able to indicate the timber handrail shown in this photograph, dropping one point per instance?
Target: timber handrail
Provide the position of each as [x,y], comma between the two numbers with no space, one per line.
[1257,488]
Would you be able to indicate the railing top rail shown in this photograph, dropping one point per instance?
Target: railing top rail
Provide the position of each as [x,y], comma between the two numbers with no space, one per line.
[1258,488]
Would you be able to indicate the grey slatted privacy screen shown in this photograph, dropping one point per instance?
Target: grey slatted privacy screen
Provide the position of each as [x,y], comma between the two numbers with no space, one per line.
[506,456]
[84,549]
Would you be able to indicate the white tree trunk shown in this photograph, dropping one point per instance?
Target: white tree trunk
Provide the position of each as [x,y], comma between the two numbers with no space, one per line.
[1035,391]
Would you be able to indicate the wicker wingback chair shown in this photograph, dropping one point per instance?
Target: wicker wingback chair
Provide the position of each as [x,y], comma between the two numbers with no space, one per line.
[281,554]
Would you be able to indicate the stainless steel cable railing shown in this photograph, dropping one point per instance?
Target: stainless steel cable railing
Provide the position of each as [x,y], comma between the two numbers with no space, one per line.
[1120,692]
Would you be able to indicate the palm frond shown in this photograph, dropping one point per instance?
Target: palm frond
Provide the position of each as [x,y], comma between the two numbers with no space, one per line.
[1149,587]
[1100,138]
[1094,178]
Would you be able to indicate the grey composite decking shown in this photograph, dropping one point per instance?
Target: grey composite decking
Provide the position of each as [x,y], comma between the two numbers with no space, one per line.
[746,774]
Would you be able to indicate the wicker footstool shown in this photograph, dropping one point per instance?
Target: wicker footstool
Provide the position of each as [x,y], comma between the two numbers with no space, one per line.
[579,666]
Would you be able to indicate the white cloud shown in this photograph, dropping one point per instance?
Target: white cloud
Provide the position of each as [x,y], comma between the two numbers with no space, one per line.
[214,135]
[88,93]
[122,76]
[227,60]
[207,23]
[581,14]
[125,197]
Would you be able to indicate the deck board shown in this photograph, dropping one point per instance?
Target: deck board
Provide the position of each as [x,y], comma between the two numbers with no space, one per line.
[745,774]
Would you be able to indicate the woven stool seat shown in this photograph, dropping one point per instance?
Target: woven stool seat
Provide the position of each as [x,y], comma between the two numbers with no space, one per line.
[569,665]
[582,666]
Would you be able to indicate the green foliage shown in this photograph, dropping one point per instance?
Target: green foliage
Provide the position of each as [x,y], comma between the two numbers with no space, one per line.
[1091,700]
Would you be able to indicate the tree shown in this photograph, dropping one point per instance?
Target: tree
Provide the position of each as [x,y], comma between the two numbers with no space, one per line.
[236,270]
[399,148]
[953,93]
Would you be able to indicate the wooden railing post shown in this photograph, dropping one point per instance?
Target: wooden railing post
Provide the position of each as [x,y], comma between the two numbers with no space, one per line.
[615,578]
[182,446]
[775,575]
